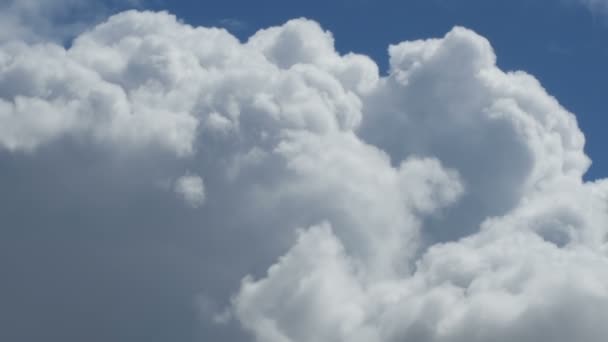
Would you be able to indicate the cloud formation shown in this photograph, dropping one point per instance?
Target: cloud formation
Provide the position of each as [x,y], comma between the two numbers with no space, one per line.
[442,202]
[192,189]
[53,20]
[599,6]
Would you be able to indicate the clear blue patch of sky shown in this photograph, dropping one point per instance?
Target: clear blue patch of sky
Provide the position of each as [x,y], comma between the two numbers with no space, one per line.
[561,43]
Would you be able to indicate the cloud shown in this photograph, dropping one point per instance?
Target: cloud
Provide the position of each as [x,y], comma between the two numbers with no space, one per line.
[191,189]
[233,24]
[442,202]
[53,20]
[129,82]
[514,240]
[598,6]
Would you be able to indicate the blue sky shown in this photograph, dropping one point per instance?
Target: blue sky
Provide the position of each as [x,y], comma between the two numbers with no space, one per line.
[562,43]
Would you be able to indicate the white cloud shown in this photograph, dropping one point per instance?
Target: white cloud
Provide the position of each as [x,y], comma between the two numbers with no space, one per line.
[445,200]
[518,152]
[192,189]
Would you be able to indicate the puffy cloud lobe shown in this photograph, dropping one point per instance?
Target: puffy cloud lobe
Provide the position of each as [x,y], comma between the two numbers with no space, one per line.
[192,189]
[521,159]
[47,95]
[144,78]
[316,281]
[391,200]
[508,281]
[487,287]
[445,200]
[505,135]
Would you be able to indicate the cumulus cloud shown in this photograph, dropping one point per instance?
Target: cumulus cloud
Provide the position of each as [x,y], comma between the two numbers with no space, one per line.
[191,189]
[442,202]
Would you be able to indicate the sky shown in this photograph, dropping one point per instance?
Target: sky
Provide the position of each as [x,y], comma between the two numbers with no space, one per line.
[285,171]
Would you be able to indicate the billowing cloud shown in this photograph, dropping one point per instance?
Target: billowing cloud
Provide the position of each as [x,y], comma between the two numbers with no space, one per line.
[442,202]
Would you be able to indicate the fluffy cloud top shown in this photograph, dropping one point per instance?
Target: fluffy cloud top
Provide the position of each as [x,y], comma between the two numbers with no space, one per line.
[442,202]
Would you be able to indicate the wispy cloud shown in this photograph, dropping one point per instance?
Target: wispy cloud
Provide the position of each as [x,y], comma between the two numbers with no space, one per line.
[233,24]
[56,20]
[596,6]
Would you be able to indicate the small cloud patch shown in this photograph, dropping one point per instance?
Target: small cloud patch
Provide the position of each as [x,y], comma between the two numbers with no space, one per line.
[191,189]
